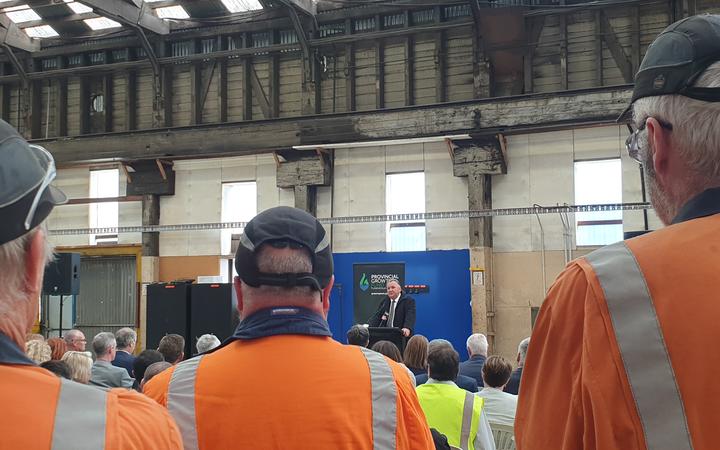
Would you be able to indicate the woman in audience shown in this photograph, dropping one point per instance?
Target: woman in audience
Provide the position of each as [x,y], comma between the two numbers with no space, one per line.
[38,351]
[58,348]
[416,352]
[80,364]
[390,350]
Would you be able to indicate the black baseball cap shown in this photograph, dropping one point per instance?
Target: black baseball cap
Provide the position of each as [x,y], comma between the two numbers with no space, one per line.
[675,60]
[26,196]
[281,227]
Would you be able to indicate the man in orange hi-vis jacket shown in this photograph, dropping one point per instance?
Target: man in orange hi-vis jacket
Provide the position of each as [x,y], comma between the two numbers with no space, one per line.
[40,410]
[281,382]
[622,355]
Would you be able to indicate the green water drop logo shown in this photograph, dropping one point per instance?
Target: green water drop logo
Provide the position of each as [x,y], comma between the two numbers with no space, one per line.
[364,284]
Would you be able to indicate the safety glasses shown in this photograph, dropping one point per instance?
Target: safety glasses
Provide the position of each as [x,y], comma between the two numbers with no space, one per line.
[632,143]
[49,177]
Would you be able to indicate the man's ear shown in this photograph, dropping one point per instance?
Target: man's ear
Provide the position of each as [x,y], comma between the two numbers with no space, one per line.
[238,293]
[35,263]
[325,294]
[659,143]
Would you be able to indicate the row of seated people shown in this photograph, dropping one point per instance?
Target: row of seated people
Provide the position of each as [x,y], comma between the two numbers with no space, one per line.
[114,364]
[434,367]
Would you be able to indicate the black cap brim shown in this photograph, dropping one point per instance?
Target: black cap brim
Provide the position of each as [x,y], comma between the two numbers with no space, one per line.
[14,224]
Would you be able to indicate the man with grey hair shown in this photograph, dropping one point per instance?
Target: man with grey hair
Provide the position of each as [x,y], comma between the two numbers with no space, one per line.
[397,309]
[228,398]
[75,340]
[104,374]
[620,348]
[477,348]
[46,411]
[513,385]
[207,342]
[126,339]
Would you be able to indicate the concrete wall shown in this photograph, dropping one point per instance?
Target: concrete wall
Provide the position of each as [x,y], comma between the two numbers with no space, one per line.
[540,171]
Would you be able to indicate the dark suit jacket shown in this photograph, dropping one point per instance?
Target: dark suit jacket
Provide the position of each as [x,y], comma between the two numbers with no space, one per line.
[513,386]
[404,313]
[462,382]
[473,368]
[124,360]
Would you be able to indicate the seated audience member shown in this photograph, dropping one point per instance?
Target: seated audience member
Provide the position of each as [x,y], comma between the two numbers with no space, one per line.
[38,351]
[513,386]
[206,342]
[452,411]
[390,350]
[477,348]
[467,383]
[499,406]
[358,335]
[172,348]
[59,368]
[126,339]
[142,362]
[152,370]
[75,340]
[415,357]
[104,374]
[80,364]
[58,347]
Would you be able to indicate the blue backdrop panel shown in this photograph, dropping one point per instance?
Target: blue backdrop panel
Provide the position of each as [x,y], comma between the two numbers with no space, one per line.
[444,312]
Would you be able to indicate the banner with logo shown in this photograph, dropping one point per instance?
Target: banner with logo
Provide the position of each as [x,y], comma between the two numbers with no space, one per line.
[369,280]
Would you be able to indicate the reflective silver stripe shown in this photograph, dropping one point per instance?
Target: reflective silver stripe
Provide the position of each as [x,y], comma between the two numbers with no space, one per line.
[79,417]
[467,420]
[384,398]
[181,400]
[642,348]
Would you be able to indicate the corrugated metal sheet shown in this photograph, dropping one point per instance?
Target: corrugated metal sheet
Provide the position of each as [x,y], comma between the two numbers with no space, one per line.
[108,295]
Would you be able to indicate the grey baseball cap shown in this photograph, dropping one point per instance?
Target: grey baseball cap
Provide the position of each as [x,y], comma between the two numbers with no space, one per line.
[26,196]
[676,59]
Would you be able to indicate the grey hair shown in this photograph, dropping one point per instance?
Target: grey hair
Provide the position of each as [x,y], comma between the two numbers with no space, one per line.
[125,337]
[478,344]
[523,348]
[294,261]
[103,342]
[207,342]
[12,266]
[696,128]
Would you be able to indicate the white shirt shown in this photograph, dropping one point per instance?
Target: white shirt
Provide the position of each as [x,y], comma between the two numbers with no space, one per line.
[500,406]
[484,438]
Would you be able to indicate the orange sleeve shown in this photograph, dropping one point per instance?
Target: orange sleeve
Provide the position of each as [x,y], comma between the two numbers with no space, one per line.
[135,422]
[157,388]
[413,432]
[573,393]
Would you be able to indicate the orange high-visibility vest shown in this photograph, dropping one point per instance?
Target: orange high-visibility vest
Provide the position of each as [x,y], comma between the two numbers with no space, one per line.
[43,412]
[293,392]
[623,353]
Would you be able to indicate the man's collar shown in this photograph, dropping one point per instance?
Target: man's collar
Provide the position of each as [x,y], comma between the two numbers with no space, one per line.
[434,381]
[707,203]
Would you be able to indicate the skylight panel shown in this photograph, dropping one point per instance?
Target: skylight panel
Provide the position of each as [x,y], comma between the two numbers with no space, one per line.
[172,12]
[42,31]
[22,13]
[101,23]
[241,5]
[77,7]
